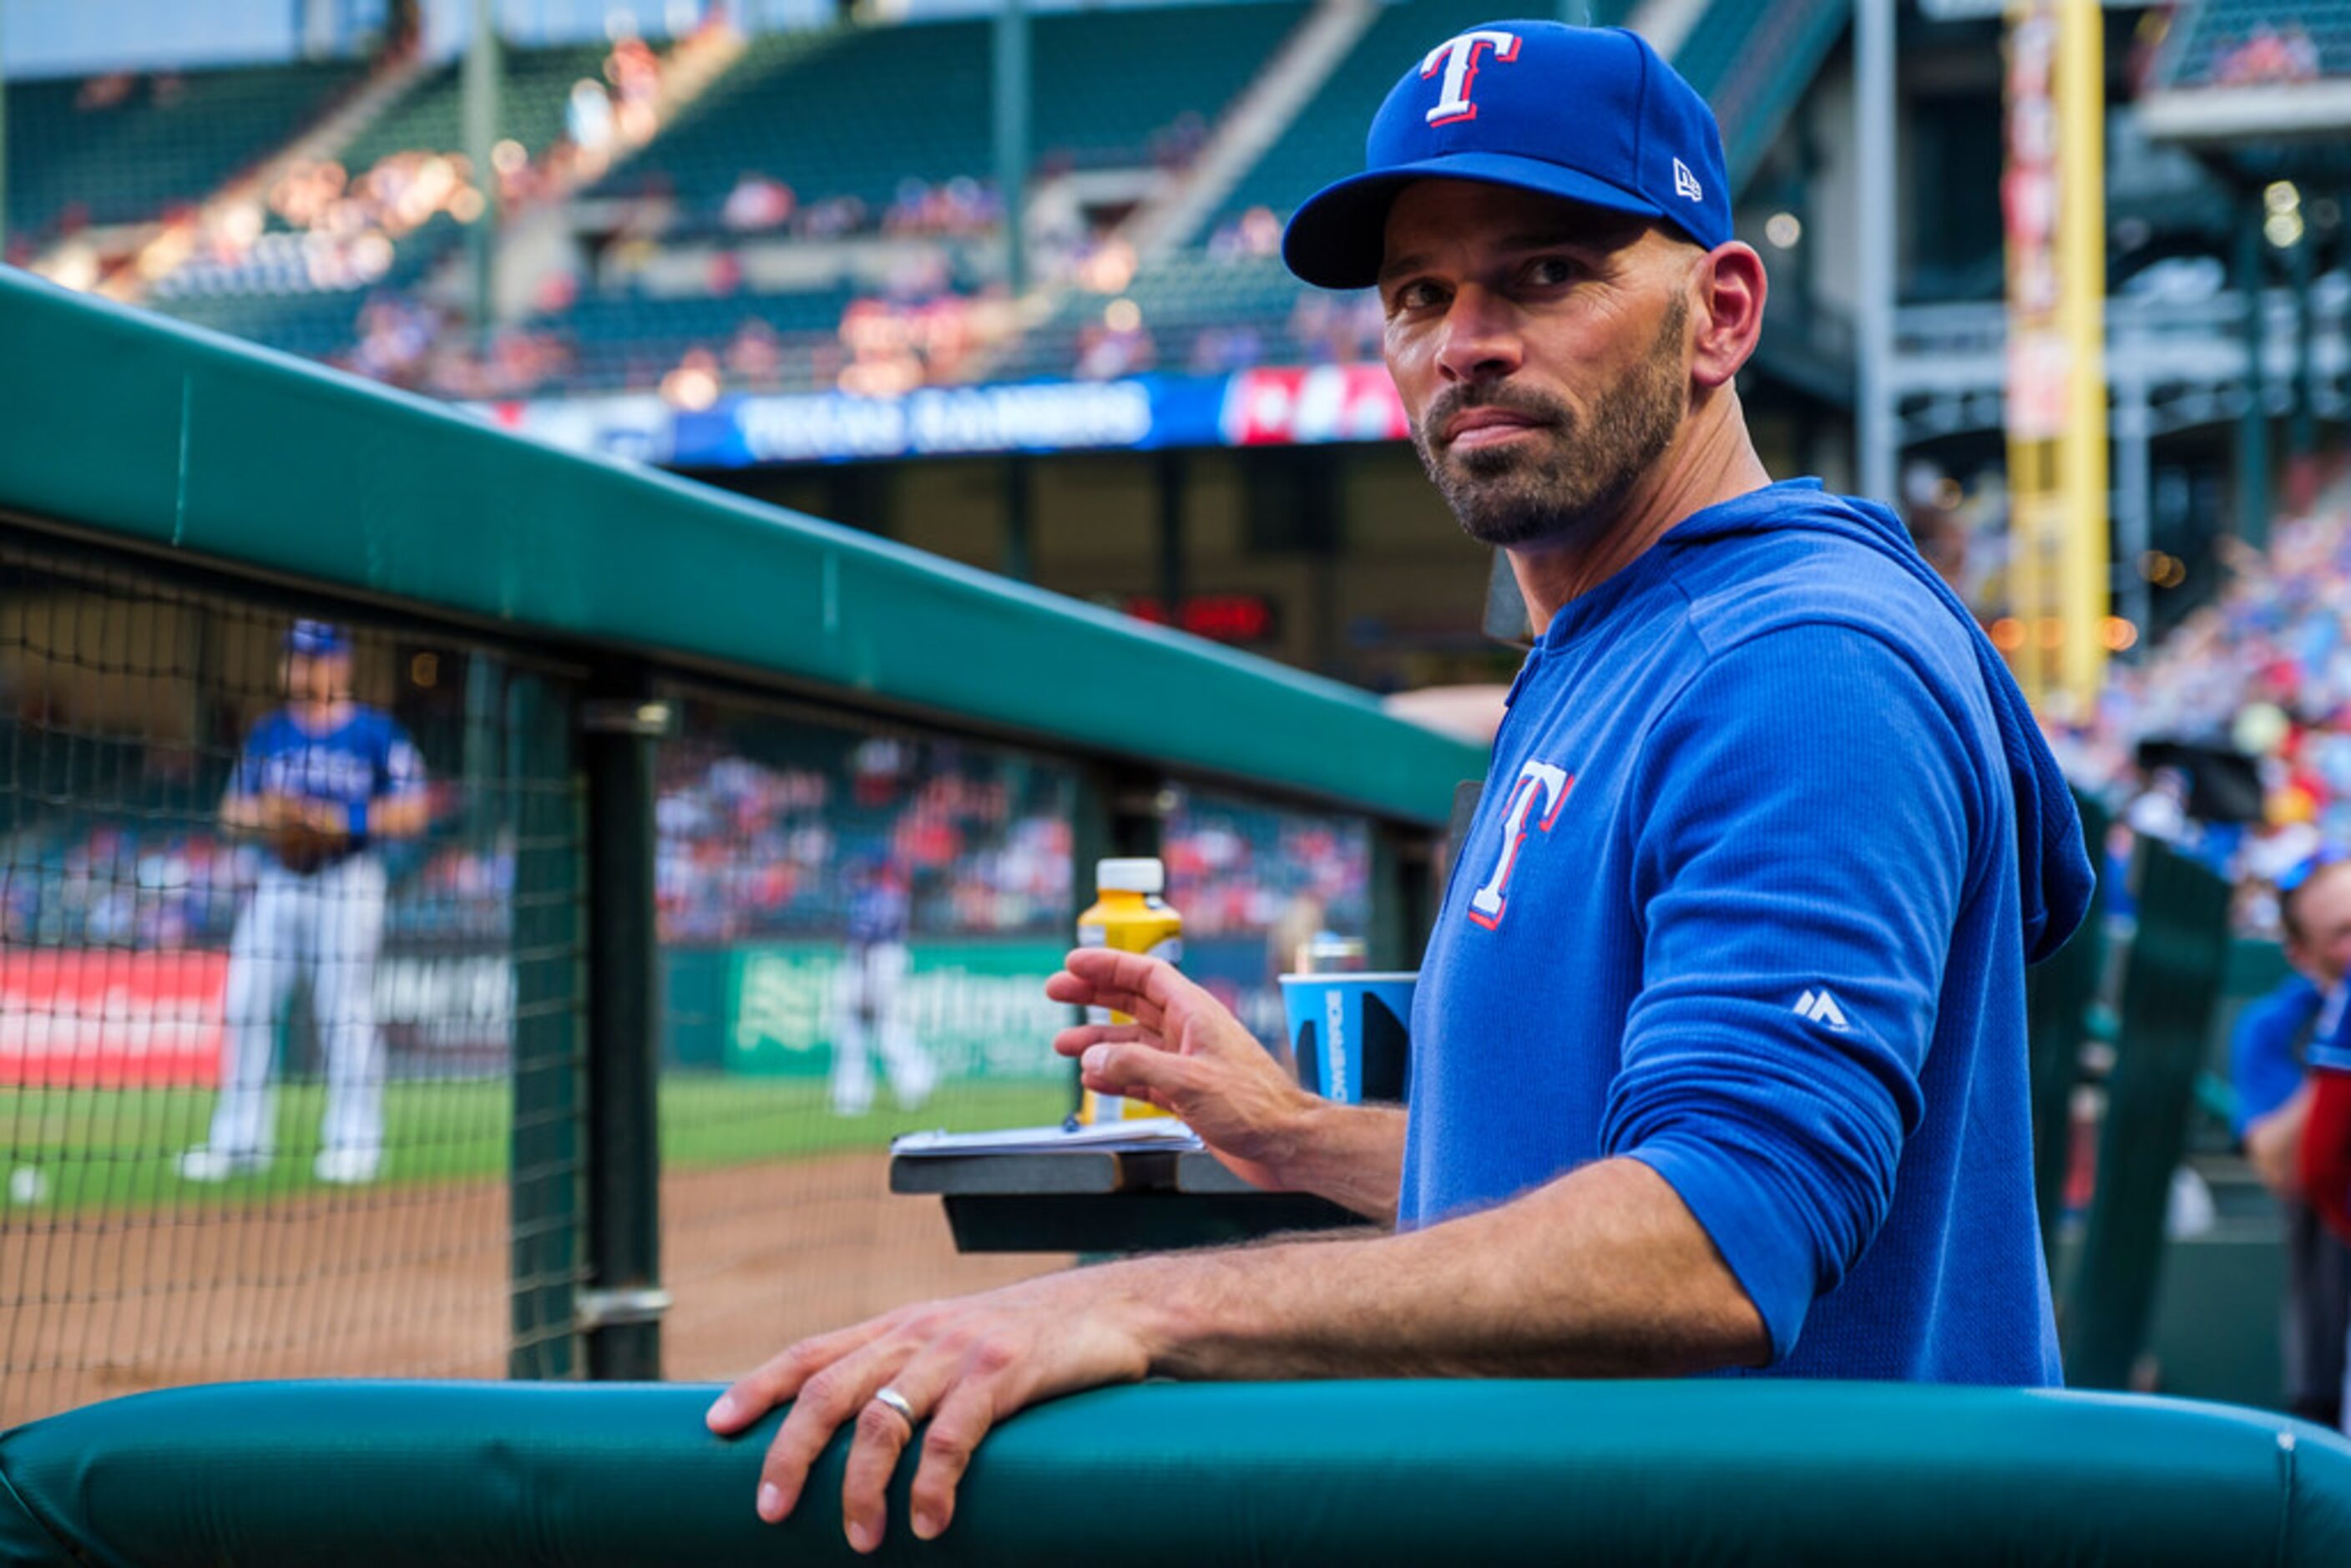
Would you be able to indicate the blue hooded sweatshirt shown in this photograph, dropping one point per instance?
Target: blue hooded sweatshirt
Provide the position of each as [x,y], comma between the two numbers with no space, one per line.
[1768,838]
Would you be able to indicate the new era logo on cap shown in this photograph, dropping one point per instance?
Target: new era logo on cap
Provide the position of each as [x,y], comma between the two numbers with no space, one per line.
[1587,114]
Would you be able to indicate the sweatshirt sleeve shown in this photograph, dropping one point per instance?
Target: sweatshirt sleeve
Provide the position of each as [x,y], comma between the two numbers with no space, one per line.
[1799,867]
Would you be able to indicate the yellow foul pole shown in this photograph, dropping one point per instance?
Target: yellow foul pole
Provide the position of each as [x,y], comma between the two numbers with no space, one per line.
[2054,199]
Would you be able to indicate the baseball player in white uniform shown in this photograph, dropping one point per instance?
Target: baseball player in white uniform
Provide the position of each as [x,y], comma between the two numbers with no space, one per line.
[324,781]
[869,1002]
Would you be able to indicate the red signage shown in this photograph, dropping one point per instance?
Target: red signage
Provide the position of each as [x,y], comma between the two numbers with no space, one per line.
[1328,402]
[1218,617]
[90,1019]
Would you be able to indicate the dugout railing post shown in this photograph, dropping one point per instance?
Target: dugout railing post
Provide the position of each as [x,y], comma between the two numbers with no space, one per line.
[546,1158]
[620,1307]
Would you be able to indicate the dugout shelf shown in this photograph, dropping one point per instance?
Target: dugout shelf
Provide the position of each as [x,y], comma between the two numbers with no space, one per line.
[1104,1201]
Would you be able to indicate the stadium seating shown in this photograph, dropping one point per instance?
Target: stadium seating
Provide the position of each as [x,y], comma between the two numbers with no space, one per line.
[170,138]
[535,85]
[1188,294]
[429,117]
[855,111]
[2220,41]
[1752,60]
[1326,140]
[629,340]
[862,112]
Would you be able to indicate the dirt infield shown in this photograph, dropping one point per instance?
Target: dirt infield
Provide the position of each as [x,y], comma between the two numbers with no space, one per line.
[412,1281]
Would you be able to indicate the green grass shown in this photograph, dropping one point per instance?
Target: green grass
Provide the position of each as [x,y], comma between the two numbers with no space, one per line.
[116,1148]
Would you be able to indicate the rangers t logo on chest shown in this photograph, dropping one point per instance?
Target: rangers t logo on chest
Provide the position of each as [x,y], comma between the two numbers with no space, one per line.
[1539,787]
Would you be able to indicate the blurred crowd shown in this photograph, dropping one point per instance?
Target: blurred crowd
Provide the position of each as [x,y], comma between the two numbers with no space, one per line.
[747,849]
[759,848]
[2231,739]
[149,886]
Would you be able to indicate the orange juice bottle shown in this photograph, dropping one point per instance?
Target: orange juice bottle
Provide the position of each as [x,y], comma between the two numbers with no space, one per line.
[1128,914]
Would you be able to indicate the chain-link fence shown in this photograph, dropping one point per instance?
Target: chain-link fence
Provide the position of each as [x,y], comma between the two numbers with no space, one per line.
[277,888]
[856,924]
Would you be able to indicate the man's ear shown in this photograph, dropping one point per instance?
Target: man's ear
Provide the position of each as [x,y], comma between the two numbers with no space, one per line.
[1729,287]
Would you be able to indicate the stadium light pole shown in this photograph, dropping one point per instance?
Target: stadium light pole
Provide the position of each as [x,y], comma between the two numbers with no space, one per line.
[1873,119]
[481,111]
[1012,138]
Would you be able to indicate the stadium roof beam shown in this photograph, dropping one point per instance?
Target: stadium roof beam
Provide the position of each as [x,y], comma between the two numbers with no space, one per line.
[2264,114]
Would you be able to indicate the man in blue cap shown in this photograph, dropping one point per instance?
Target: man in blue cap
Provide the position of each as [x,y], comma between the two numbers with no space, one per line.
[1739,930]
[321,782]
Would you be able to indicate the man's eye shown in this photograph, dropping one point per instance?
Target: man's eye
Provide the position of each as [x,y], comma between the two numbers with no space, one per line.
[1417,295]
[1550,271]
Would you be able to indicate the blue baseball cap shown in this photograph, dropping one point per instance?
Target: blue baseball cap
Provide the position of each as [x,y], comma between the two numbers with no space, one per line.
[1588,114]
[316,639]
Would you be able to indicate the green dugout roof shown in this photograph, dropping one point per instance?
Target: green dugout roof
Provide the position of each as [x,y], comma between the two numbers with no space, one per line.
[177,440]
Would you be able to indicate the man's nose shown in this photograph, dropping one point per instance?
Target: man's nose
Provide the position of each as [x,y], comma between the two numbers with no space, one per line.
[1481,340]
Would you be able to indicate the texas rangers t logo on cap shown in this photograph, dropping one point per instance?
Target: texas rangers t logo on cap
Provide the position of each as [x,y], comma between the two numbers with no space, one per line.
[1459,56]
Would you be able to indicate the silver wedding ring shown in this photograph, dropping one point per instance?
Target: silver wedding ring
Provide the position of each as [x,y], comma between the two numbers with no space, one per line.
[896,1401]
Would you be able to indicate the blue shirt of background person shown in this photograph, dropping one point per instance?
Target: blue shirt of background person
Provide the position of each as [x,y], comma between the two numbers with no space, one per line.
[327,755]
[2266,1052]
[880,905]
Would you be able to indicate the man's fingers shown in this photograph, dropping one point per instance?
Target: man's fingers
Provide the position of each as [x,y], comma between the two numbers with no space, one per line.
[1128,1068]
[1135,1005]
[1073,1042]
[826,1401]
[780,1376]
[882,1434]
[1139,974]
[963,1418]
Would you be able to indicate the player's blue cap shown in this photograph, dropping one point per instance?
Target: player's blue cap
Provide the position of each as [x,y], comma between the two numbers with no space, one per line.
[1590,114]
[315,639]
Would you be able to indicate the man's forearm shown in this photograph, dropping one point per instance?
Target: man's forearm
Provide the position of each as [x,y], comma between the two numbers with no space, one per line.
[1603,1272]
[399,816]
[1351,1155]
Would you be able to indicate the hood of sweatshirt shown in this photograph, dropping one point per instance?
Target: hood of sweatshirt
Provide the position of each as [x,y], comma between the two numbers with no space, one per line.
[2056,878]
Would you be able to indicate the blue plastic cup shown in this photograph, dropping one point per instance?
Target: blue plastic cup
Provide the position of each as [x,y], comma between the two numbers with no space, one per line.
[1349,1034]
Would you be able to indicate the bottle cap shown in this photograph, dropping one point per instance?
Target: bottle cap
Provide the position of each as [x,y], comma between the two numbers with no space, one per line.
[1140,875]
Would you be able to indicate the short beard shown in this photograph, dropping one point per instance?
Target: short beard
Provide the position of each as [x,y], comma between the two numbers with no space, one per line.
[1572,487]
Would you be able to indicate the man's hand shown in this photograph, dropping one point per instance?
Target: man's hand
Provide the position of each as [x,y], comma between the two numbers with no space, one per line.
[1184,1052]
[328,819]
[963,1365]
[2273,1144]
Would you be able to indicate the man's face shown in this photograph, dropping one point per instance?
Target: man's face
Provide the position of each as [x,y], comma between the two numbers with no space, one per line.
[1541,350]
[2322,916]
[316,677]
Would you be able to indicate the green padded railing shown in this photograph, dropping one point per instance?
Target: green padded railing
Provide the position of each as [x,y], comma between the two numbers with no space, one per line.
[453,1475]
[168,437]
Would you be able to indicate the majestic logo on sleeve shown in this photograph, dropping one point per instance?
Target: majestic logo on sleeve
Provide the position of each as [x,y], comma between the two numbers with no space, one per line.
[1457,58]
[1821,1007]
[1540,787]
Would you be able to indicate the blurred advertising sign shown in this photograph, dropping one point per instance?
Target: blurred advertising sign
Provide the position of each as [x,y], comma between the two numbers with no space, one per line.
[813,427]
[977,1008]
[105,1018]
[2052,209]
[636,427]
[1269,406]
[447,1009]
[1300,406]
